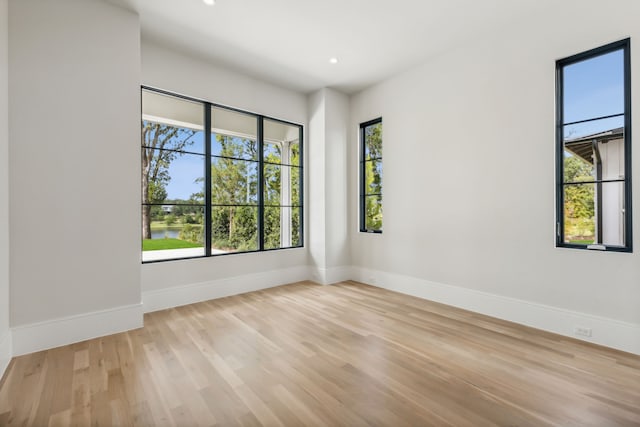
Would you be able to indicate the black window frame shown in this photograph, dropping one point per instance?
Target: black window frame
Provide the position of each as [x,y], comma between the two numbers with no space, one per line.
[260,119]
[625,46]
[363,190]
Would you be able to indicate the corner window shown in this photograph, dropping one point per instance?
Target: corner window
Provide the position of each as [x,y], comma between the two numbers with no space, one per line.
[593,137]
[216,180]
[371,176]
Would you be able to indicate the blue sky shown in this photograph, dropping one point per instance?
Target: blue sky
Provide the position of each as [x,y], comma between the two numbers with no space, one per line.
[184,170]
[594,88]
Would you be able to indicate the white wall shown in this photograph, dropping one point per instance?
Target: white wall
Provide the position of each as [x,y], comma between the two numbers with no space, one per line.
[5,339]
[74,126]
[469,180]
[316,183]
[335,176]
[179,282]
[328,140]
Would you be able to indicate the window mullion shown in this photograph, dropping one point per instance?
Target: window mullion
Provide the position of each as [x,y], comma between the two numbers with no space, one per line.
[207,180]
[261,183]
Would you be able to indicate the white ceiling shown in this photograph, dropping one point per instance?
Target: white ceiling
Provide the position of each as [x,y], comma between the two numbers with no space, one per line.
[289,42]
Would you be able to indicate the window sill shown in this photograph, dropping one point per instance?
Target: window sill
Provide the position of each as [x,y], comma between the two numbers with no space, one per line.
[595,248]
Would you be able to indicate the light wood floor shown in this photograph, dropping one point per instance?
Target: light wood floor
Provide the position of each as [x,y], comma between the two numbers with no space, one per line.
[304,354]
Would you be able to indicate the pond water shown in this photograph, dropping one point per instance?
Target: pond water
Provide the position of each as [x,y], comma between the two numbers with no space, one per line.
[161,234]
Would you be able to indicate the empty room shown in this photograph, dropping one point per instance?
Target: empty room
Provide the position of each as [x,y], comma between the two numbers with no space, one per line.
[337,213]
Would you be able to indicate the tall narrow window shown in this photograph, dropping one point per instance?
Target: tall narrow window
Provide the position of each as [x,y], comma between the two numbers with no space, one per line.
[282,195]
[593,134]
[371,176]
[173,166]
[236,187]
[234,182]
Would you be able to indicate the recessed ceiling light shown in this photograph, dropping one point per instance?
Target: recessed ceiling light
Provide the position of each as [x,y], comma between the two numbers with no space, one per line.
[209,2]
[333,60]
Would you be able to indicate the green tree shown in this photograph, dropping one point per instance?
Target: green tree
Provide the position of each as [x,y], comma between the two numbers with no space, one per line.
[373,141]
[579,206]
[157,140]
[192,233]
[170,219]
[233,183]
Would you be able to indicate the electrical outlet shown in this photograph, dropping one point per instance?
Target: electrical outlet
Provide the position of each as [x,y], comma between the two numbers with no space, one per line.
[585,332]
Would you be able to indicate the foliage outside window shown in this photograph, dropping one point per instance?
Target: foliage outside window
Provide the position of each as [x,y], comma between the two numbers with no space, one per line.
[234,188]
[593,149]
[371,176]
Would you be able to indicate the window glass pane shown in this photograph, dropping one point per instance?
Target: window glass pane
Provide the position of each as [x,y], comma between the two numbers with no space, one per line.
[272,227]
[296,193]
[594,148]
[373,141]
[233,146]
[234,134]
[594,213]
[281,227]
[579,214]
[612,213]
[272,152]
[373,212]
[172,123]
[594,87]
[234,182]
[272,184]
[172,177]
[234,229]
[282,137]
[294,154]
[578,168]
[174,231]
[281,185]
[296,224]
[593,129]
[373,177]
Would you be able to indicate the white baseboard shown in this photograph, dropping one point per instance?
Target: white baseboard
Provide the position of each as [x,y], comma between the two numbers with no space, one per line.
[607,332]
[57,332]
[6,352]
[197,292]
[67,330]
[331,275]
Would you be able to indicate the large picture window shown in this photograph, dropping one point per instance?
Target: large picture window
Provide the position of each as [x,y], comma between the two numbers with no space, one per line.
[216,180]
[593,134]
[371,176]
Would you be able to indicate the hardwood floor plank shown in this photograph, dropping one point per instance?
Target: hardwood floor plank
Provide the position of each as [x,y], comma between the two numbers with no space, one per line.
[303,354]
[61,419]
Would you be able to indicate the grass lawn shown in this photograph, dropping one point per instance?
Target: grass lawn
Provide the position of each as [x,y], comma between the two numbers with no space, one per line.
[582,242]
[160,244]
